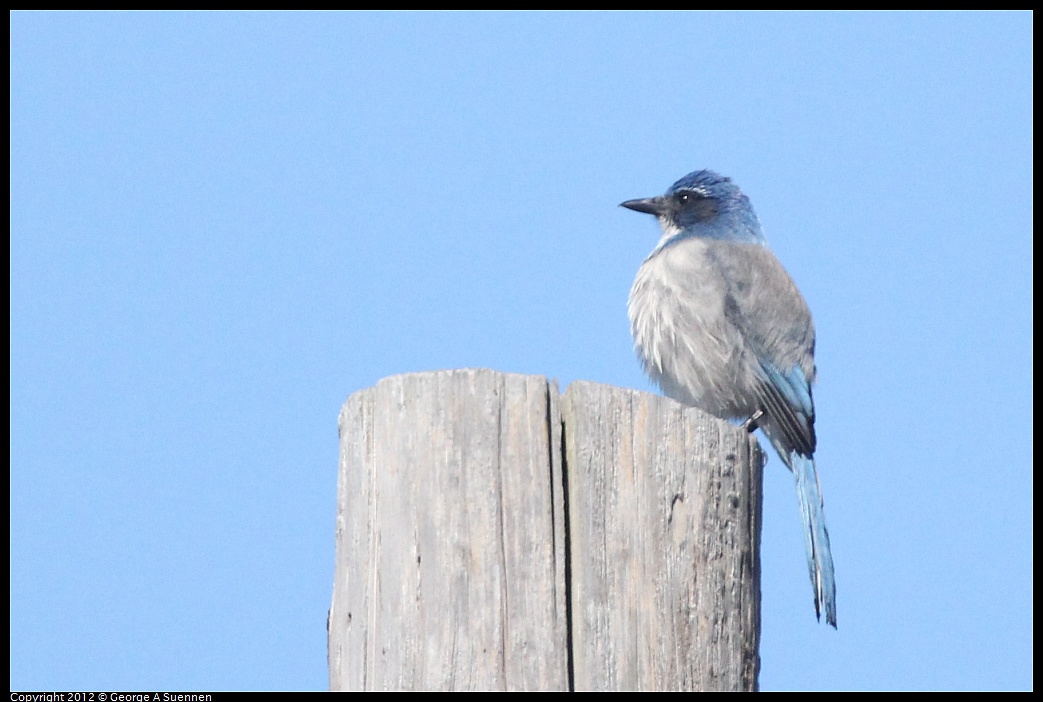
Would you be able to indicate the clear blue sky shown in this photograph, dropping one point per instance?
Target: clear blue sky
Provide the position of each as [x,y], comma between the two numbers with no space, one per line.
[224,224]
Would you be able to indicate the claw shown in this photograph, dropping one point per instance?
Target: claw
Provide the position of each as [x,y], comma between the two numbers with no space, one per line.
[750,424]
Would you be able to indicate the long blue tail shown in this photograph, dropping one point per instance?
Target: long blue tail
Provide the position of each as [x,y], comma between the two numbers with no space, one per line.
[816,537]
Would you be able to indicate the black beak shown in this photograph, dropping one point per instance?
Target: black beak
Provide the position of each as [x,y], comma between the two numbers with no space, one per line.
[649,205]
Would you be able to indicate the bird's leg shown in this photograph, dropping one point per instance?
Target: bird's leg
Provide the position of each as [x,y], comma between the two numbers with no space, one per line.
[750,424]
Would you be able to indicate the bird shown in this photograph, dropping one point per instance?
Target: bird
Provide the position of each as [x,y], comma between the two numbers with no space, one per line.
[720,325]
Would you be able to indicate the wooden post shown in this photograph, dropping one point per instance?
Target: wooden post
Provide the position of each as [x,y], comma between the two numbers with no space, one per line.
[664,513]
[464,563]
[450,565]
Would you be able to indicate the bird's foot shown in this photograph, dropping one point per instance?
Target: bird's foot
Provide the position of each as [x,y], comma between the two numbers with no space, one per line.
[750,424]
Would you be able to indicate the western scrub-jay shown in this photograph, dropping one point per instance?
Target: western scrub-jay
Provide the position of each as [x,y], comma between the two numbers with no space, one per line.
[718,324]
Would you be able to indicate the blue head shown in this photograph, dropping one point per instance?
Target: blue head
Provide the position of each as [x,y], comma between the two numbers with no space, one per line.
[703,204]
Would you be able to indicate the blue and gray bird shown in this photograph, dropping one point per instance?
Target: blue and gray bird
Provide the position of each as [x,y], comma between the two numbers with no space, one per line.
[718,324]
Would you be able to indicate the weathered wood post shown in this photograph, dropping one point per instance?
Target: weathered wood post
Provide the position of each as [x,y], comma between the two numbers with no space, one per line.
[493,535]
[664,516]
[450,565]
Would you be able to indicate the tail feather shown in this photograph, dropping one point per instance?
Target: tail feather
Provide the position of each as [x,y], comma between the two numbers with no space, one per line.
[816,537]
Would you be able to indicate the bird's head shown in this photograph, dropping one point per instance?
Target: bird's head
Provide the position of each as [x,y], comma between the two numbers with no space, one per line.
[703,204]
